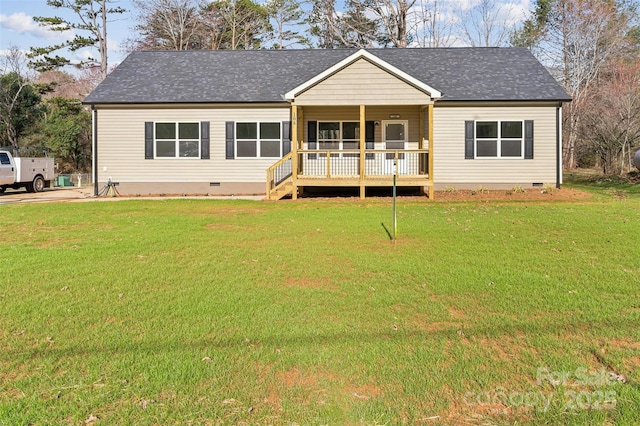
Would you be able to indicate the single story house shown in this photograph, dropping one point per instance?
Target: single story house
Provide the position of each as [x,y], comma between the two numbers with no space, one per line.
[277,121]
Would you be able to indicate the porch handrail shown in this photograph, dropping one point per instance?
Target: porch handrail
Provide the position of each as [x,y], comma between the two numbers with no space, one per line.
[377,163]
[367,151]
[279,172]
[281,161]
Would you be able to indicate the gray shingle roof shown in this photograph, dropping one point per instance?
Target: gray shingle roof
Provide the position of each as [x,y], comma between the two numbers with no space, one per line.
[224,76]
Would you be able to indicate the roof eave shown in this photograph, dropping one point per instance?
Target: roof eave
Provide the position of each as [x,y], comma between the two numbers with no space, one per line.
[453,99]
[167,102]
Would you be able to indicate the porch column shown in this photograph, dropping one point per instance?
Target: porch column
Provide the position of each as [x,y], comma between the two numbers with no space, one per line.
[430,119]
[362,146]
[421,128]
[300,143]
[300,127]
[294,151]
[423,168]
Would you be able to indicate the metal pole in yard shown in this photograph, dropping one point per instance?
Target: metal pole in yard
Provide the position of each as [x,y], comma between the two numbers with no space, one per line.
[395,219]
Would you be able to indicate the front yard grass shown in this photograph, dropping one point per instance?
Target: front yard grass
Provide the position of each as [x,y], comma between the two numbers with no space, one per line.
[205,312]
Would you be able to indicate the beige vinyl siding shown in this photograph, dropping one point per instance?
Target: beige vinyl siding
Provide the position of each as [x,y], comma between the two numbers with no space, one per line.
[362,83]
[121,145]
[451,168]
[372,113]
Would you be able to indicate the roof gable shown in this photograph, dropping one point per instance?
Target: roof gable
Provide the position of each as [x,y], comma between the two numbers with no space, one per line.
[356,57]
[362,82]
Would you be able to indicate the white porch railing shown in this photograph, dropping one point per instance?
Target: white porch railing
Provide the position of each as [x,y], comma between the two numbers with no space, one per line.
[377,163]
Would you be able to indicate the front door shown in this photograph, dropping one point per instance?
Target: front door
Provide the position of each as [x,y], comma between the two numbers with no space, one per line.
[6,169]
[394,137]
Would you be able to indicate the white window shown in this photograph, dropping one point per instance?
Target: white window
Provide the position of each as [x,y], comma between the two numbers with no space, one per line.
[338,136]
[499,139]
[177,140]
[258,140]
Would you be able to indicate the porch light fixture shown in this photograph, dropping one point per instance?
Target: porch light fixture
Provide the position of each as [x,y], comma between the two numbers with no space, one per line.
[394,116]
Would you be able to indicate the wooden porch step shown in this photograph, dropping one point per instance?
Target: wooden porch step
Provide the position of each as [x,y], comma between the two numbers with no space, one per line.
[284,189]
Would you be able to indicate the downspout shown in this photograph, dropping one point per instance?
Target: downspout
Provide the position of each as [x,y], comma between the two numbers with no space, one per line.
[559,145]
[94,147]
[431,163]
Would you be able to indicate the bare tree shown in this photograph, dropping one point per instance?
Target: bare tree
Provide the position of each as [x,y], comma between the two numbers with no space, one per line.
[13,61]
[429,27]
[486,24]
[579,40]
[353,27]
[610,127]
[87,81]
[392,17]
[19,101]
[167,24]
[236,24]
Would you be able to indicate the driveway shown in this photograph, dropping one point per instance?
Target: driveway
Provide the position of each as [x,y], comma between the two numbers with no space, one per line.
[11,196]
[73,194]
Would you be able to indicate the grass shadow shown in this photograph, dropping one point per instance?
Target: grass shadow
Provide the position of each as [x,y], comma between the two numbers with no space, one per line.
[388,232]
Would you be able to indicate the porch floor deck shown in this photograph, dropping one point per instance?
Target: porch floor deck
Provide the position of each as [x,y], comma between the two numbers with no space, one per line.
[370,168]
[305,180]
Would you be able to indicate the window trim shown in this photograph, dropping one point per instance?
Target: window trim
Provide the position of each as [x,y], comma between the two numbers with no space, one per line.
[257,140]
[341,140]
[499,139]
[177,140]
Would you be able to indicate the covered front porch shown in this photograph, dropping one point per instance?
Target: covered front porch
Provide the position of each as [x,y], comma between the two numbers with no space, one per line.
[356,146]
[361,122]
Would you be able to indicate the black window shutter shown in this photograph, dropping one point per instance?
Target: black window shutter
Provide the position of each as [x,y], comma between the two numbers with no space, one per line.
[312,137]
[528,139]
[204,140]
[286,137]
[469,133]
[369,138]
[425,134]
[230,139]
[148,140]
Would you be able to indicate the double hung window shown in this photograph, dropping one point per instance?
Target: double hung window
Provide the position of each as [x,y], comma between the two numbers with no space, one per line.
[499,139]
[177,140]
[258,140]
[339,136]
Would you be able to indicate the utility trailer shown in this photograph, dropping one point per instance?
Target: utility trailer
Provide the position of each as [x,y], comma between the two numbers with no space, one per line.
[32,173]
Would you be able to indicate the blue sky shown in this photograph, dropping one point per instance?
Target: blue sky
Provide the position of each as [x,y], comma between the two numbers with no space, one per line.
[18,29]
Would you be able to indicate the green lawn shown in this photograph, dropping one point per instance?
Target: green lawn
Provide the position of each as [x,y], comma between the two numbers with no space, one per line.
[205,312]
[590,180]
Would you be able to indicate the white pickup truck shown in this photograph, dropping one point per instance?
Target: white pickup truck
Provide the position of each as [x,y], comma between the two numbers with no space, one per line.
[33,173]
